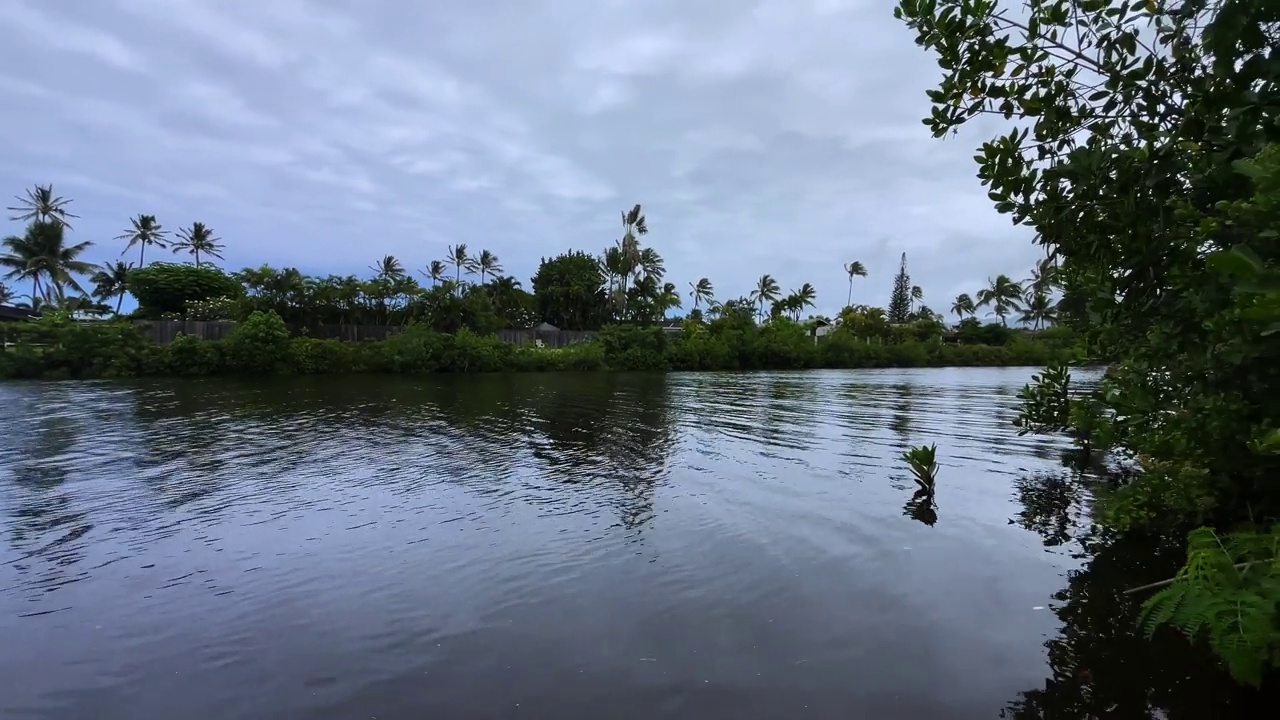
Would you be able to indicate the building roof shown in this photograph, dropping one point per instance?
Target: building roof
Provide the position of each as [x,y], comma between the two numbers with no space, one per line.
[9,312]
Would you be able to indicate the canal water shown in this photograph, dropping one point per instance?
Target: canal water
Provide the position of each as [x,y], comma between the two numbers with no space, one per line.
[540,546]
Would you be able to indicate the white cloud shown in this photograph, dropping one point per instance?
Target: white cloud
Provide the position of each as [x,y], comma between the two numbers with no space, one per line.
[780,136]
[25,24]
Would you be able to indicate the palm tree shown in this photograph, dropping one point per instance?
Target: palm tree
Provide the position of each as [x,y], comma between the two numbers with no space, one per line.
[42,256]
[388,268]
[613,266]
[854,269]
[962,306]
[702,291]
[633,226]
[487,262]
[6,294]
[111,281]
[668,299]
[1041,309]
[503,285]
[803,298]
[198,239]
[143,231]
[460,260]
[1044,276]
[650,263]
[767,290]
[1004,294]
[435,272]
[41,205]
[916,296]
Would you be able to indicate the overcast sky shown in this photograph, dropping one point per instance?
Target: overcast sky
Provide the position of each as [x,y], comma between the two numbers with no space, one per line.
[779,136]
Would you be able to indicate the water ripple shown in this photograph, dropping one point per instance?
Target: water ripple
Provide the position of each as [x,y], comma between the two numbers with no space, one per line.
[303,547]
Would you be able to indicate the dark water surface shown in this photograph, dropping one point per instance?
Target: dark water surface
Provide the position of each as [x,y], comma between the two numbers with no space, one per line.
[539,546]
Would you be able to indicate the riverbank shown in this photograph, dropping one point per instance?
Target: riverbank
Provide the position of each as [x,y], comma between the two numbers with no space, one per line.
[262,346]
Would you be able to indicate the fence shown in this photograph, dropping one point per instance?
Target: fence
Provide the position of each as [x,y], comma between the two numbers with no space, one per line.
[164,331]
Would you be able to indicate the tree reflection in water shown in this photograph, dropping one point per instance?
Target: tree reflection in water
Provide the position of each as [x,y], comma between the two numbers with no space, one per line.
[1101,664]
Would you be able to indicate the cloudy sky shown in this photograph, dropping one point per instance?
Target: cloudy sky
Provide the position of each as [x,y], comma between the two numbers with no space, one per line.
[778,136]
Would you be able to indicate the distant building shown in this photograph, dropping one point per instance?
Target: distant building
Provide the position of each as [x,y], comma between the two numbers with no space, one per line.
[9,313]
[545,327]
[821,328]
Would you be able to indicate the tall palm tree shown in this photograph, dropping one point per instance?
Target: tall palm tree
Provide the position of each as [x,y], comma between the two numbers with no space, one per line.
[633,227]
[767,290]
[916,296]
[668,299]
[702,291]
[962,306]
[41,205]
[1040,310]
[6,294]
[111,281]
[143,230]
[803,298]
[854,269]
[198,239]
[1003,294]
[435,272]
[487,262]
[460,261]
[42,256]
[650,264]
[1044,276]
[388,268]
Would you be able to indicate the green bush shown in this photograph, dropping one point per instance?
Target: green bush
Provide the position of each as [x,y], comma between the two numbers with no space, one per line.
[628,347]
[58,347]
[259,345]
[311,356]
[417,349]
[190,355]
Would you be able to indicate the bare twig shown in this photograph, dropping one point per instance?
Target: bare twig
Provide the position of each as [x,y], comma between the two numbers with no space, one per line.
[1163,583]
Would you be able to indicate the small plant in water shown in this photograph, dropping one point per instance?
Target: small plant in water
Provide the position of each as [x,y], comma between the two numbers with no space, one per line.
[924,468]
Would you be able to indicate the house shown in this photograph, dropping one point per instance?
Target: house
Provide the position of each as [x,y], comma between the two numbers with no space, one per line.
[545,327]
[821,328]
[9,313]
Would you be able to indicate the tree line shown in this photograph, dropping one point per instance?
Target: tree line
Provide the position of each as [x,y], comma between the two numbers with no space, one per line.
[624,283]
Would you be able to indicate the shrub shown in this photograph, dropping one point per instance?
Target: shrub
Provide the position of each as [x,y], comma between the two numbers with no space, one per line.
[311,356]
[627,347]
[258,345]
[190,355]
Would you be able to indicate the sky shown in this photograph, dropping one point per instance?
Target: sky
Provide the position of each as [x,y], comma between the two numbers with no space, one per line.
[776,136]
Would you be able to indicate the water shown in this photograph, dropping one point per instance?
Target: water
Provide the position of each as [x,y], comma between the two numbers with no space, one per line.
[540,546]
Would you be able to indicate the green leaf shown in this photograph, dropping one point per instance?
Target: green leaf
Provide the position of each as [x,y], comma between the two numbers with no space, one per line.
[1246,166]
[1239,261]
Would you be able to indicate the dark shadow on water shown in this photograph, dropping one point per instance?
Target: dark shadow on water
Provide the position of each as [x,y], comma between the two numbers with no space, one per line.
[1101,665]
[922,507]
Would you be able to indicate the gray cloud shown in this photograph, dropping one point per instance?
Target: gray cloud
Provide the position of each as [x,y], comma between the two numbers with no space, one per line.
[779,136]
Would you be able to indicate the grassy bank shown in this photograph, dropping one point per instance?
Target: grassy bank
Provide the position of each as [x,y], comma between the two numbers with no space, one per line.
[59,348]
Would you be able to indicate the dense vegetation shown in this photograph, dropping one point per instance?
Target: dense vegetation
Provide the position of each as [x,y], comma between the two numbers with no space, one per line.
[57,347]
[625,283]
[1145,157]
[466,300]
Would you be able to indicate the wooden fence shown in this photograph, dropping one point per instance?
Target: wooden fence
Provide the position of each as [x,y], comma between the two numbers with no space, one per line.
[164,331]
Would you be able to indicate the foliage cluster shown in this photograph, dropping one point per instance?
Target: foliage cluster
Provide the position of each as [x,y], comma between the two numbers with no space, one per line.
[57,347]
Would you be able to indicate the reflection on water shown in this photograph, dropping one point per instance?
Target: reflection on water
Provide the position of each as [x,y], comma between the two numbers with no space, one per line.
[560,546]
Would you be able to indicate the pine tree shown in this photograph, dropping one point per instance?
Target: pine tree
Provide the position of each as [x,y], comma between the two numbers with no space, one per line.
[900,301]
